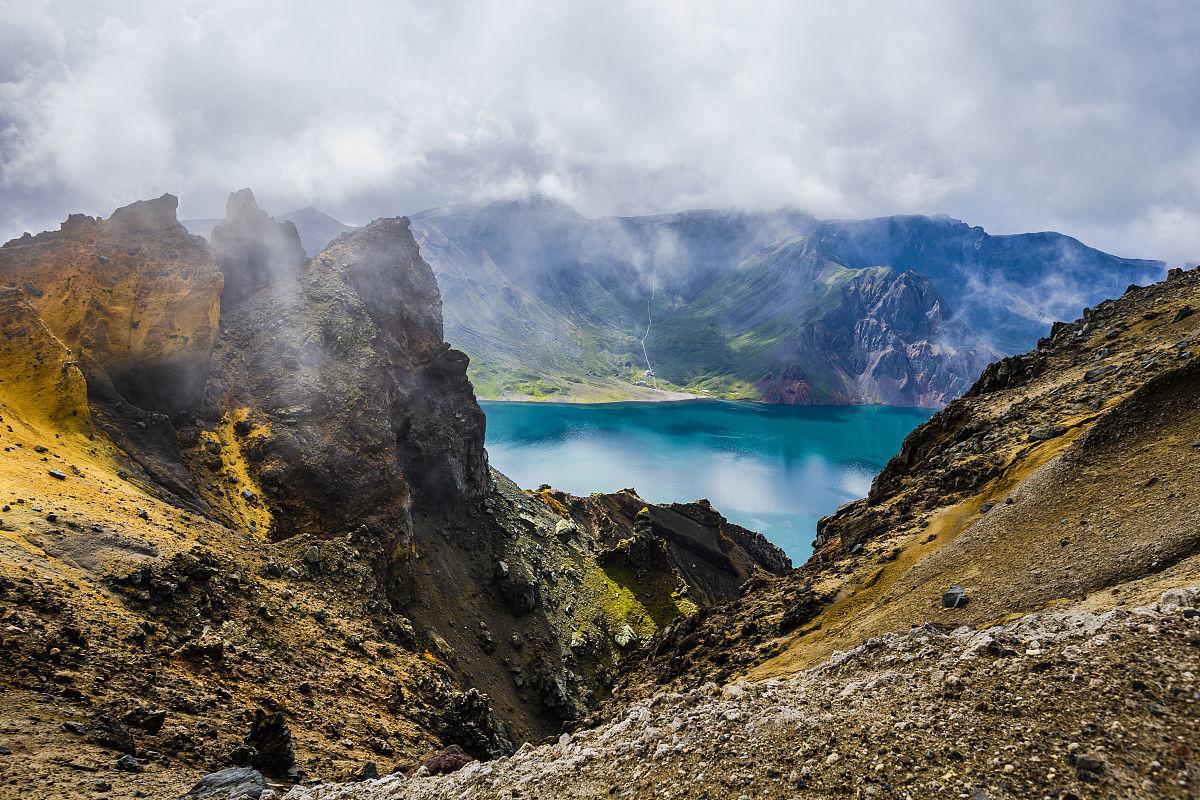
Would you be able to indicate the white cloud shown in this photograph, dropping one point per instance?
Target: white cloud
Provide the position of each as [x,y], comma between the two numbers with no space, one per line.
[1079,116]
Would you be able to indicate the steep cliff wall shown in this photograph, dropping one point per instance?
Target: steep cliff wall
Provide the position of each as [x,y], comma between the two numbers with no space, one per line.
[135,296]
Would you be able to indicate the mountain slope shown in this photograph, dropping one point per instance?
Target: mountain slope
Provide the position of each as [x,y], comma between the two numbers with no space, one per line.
[246,517]
[1013,611]
[1011,711]
[553,305]
[1008,288]
[1061,476]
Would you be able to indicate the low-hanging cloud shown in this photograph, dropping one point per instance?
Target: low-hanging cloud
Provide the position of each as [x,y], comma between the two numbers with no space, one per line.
[1075,116]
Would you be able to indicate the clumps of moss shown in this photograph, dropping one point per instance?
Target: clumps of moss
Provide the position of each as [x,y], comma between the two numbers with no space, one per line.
[546,495]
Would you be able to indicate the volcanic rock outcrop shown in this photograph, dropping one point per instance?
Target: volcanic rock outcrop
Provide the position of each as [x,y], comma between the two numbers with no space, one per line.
[135,296]
[339,378]
[254,251]
[280,510]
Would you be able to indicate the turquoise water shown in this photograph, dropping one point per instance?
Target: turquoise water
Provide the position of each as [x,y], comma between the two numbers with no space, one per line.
[775,469]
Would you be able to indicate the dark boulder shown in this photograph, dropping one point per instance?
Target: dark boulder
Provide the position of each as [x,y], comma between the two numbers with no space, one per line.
[955,597]
[443,762]
[268,746]
[108,731]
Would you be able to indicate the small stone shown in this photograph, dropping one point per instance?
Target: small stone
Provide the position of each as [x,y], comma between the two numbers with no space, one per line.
[4,751]
[955,597]
[1089,767]
[1044,432]
[128,763]
[626,636]
[1183,313]
[565,529]
[60,475]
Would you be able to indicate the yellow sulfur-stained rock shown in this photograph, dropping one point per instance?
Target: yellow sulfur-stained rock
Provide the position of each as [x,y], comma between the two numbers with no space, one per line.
[40,382]
[134,295]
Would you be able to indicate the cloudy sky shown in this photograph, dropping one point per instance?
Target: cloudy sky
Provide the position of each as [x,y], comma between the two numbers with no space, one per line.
[1082,117]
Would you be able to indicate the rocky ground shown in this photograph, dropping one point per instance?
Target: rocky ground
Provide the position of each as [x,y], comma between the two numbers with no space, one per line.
[1055,705]
[258,526]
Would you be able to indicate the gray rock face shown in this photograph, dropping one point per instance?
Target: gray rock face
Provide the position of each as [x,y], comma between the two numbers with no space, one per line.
[234,783]
[882,337]
[369,411]
[254,250]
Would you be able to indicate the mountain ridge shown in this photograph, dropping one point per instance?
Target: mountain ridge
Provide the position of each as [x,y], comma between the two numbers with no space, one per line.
[522,265]
[553,305]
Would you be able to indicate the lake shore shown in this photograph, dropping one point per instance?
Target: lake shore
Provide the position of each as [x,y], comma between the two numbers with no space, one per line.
[772,468]
[646,394]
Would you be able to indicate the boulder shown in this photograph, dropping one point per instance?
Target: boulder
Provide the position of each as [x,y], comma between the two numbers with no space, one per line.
[955,597]
[234,783]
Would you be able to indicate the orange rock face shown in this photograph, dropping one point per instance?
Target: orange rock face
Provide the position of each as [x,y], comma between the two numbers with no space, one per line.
[135,296]
[39,381]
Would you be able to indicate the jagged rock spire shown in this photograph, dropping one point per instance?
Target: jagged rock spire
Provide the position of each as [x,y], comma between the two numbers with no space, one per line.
[254,251]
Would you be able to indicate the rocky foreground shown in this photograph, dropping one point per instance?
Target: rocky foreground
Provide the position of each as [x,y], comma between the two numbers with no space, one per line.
[1060,705]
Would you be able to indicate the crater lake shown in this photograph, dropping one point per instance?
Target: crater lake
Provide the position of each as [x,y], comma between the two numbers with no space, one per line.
[775,469]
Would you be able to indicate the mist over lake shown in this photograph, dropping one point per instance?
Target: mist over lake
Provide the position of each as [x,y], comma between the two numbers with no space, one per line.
[775,469]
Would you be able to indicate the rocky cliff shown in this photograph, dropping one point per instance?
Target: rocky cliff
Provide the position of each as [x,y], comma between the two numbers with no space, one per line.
[135,296]
[1012,612]
[267,534]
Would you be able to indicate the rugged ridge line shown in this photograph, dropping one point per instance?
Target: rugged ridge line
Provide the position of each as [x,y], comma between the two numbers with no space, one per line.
[275,544]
